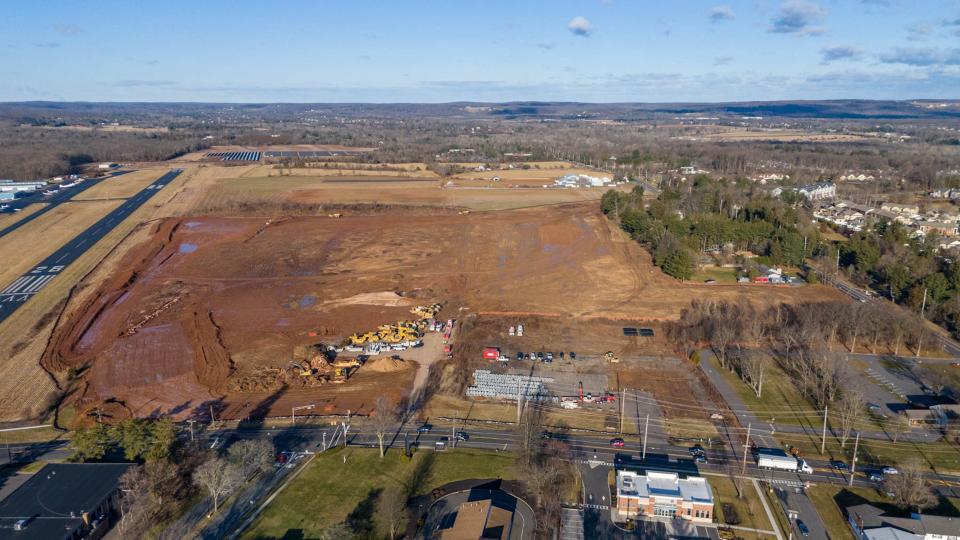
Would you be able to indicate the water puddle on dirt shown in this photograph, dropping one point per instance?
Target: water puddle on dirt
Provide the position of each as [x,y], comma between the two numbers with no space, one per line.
[192,224]
[187,248]
[307,301]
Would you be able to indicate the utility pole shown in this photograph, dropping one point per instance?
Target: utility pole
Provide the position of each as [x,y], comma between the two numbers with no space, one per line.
[823,440]
[853,464]
[838,259]
[324,441]
[746,450]
[923,306]
[346,427]
[623,402]
[645,427]
[212,417]
[519,403]
[453,436]
[191,422]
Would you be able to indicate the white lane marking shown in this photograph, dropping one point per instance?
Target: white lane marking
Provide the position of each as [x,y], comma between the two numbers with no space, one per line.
[15,286]
[37,285]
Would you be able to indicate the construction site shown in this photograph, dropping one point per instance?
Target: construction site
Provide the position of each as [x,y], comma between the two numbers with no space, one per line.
[251,311]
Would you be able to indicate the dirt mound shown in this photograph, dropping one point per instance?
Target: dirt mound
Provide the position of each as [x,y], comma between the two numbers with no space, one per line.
[386,298]
[387,365]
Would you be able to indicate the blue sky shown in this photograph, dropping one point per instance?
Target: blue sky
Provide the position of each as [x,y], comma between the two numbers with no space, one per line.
[493,50]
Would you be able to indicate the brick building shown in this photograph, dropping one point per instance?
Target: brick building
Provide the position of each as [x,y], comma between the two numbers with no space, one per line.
[664,494]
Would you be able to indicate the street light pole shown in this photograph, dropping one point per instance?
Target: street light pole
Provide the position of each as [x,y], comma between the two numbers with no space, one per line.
[294,410]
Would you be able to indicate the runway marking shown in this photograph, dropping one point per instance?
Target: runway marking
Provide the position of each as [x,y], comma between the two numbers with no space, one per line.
[15,286]
[38,284]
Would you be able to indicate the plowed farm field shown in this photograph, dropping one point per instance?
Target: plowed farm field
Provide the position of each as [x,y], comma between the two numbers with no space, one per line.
[206,301]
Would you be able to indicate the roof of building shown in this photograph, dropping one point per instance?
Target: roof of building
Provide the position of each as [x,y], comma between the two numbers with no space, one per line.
[57,496]
[873,519]
[479,520]
[664,484]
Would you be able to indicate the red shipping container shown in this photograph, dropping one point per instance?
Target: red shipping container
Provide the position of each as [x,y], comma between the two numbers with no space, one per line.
[491,353]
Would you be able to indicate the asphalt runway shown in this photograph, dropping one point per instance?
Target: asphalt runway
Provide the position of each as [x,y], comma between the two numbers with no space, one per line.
[23,288]
[52,202]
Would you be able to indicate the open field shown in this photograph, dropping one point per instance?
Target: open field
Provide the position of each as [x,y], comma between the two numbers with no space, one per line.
[329,489]
[123,186]
[778,135]
[749,508]
[7,219]
[197,156]
[325,169]
[521,177]
[37,239]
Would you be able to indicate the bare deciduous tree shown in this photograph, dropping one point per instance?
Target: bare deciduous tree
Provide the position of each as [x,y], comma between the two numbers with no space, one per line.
[251,456]
[910,490]
[382,420]
[849,413]
[218,476]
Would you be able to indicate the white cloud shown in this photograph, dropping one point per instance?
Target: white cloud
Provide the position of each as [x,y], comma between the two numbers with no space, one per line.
[721,13]
[798,17]
[580,26]
[839,52]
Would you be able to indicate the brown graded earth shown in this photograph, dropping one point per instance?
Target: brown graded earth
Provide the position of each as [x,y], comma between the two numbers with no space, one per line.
[210,299]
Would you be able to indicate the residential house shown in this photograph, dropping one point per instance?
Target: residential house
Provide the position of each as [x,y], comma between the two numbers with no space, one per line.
[663,494]
[818,191]
[898,208]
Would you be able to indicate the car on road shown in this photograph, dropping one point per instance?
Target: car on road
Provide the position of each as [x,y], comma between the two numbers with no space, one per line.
[540,356]
[573,355]
[561,355]
[425,428]
[876,477]
[700,458]
[873,407]
[838,465]
[889,470]
[546,435]
[519,356]
[549,357]
[441,443]
[462,436]
[696,450]
[802,527]
[617,443]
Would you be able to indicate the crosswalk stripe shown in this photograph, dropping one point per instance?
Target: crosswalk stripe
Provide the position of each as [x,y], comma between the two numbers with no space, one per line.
[38,284]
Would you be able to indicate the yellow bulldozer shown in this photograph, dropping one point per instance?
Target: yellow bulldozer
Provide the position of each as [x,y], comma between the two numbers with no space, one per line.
[610,357]
[426,312]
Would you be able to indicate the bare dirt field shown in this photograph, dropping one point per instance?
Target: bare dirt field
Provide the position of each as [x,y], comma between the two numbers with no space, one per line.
[209,299]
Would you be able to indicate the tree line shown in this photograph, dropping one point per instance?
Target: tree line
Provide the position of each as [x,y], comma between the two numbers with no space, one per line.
[707,216]
[908,270]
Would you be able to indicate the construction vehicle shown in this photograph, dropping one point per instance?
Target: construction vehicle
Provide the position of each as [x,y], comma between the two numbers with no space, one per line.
[426,312]
[302,369]
[610,357]
[335,215]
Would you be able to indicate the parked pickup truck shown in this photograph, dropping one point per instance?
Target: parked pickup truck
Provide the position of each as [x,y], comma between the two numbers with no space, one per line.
[772,458]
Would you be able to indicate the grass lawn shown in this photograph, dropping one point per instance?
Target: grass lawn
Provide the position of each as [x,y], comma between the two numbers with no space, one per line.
[941,455]
[749,510]
[780,402]
[329,489]
[721,275]
[830,499]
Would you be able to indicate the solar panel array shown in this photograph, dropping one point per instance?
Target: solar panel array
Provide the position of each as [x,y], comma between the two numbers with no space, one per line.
[645,332]
[504,386]
[307,154]
[236,156]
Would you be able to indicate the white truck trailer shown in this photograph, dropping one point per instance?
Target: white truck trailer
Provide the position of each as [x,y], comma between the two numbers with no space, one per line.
[773,458]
